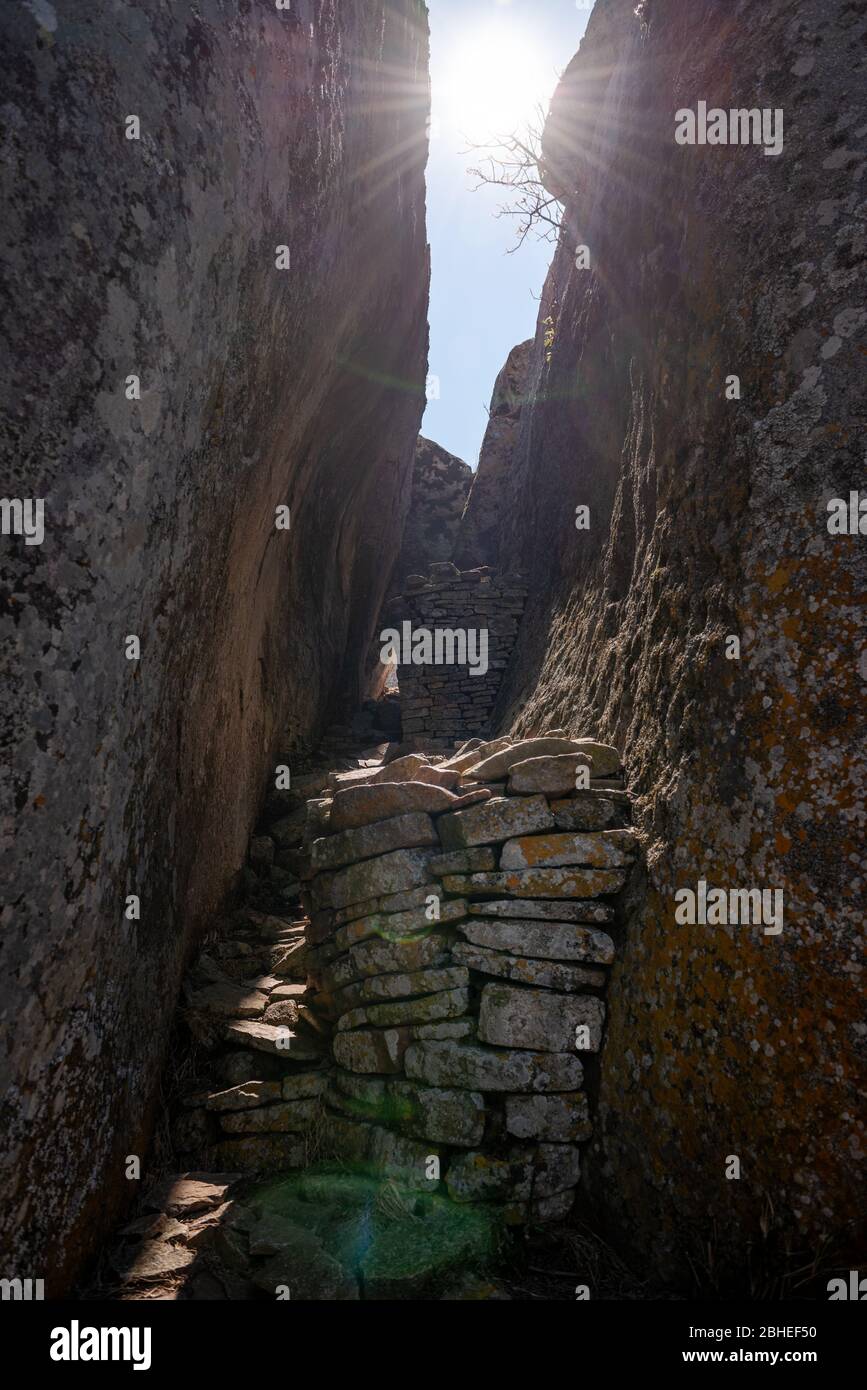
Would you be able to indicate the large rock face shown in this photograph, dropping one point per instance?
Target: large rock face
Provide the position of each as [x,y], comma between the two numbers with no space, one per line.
[708,520]
[440,485]
[477,541]
[260,387]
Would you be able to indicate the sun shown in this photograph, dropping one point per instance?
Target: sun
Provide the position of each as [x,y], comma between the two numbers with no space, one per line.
[495,80]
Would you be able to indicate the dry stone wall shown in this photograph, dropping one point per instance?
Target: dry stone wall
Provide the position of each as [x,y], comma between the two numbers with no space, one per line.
[462,924]
[461,627]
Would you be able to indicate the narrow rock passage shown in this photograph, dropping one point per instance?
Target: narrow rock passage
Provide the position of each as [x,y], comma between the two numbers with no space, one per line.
[382,1056]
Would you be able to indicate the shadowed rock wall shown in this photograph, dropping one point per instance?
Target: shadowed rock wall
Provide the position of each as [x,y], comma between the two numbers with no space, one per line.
[260,386]
[477,541]
[440,485]
[709,519]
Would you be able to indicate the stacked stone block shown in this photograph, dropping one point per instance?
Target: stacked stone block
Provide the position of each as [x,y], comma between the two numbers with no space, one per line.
[460,937]
[446,701]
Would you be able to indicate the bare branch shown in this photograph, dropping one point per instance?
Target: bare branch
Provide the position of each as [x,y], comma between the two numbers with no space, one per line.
[513,162]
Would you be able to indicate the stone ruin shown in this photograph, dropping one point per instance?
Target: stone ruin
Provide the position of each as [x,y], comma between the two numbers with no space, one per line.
[460,922]
[445,700]
[426,1009]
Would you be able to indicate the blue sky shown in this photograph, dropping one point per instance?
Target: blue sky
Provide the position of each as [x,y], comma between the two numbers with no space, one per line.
[492,61]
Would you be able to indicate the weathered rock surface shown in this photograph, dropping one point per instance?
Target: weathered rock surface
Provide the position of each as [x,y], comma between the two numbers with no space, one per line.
[397,926]
[529,971]
[495,820]
[449,1003]
[492,1069]
[400,832]
[589,812]
[389,873]
[555,776]
[358,806]
[160,508]
[709,519]
[562,1118]
[543,940]
[538,883]
[478,536]
[276,1038]
[383,957]
[368,1050]
[439,489]
[537,1018]
[443,1116]
[539,910]
[612,849]
[500,764]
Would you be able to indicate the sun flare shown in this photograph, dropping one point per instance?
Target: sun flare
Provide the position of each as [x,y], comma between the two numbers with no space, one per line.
[496,80]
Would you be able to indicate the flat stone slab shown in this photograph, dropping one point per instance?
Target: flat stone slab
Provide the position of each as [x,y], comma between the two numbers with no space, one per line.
[541,940]
[562,911]
[371,1050]
[464,861]
[499,764]
[512,1016]
[486,1177]
[408,831]
[604,757]
[275,1038]
[555,776]
[386,957]
[447,1028]
[294,991]
[607,849]
[387,902]
[226,999]
[492,1069]
[381,987]
[442,1116]
[305,1085]
[355,807]
[288,1117]
[397,926]
[470,757]
[403,769]
[188,1194]
[544,973]
[587,811]
[429,1009]
[563,1118]
[390,873]
[500,818]
[538,883]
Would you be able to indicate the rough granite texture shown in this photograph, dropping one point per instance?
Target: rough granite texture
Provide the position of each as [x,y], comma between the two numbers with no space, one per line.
[476,542]
[708,518]
[259,387]
[440,485]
